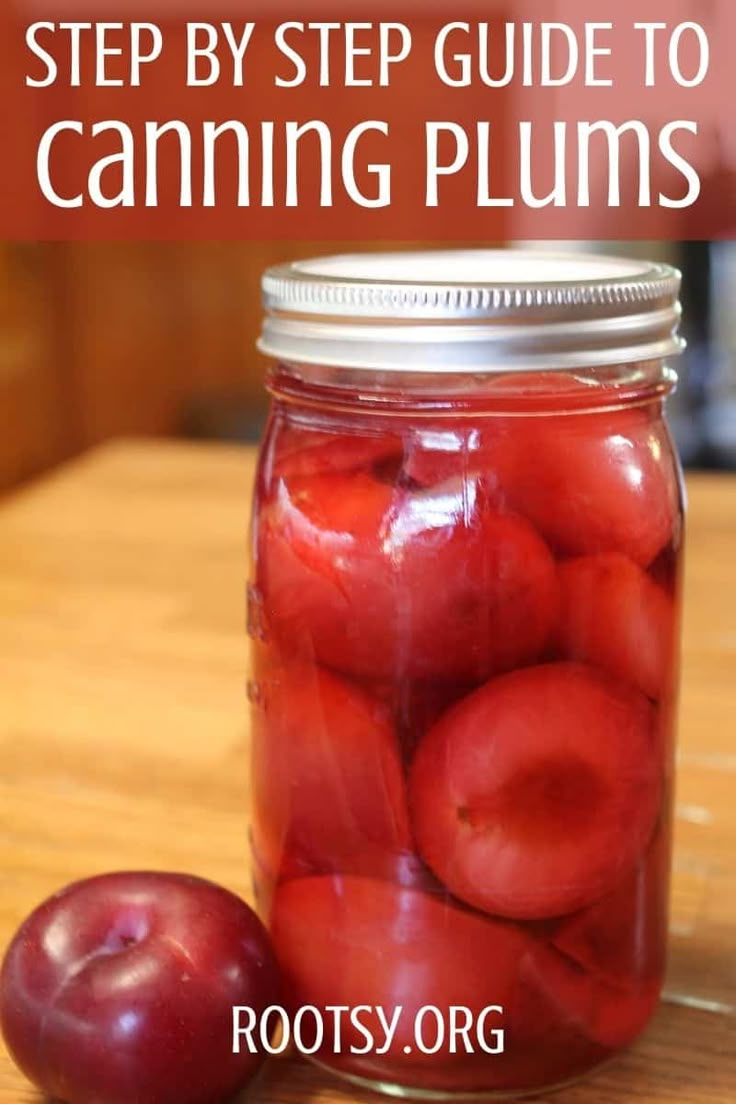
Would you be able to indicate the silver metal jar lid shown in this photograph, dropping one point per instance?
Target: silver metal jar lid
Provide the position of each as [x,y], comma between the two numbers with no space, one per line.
[470,310]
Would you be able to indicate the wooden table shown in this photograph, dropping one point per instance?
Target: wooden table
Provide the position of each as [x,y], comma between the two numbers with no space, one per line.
[124,740]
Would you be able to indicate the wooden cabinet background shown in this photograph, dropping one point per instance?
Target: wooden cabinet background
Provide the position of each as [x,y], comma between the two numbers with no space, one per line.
[101,340]
[35,429]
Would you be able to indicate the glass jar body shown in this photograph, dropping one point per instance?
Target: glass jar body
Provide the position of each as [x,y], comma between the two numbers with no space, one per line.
[464,612]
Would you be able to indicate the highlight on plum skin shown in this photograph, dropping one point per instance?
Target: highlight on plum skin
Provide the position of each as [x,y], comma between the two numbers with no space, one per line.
[497,616]
[121,988]
[348,561]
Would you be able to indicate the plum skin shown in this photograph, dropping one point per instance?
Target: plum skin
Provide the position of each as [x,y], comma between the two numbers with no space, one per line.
[120,989]
[534,794]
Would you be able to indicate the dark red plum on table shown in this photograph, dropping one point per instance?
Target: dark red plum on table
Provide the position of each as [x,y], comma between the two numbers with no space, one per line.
[120,989]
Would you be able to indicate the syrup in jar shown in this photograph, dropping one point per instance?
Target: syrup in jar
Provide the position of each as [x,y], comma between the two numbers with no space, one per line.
[464,616]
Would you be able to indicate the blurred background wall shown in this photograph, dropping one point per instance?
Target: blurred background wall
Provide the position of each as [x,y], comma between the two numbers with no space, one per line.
[104,340]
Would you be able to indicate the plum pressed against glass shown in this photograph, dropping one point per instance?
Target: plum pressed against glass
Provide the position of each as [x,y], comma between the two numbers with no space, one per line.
[532,796]
[303,451]
[621,938]
[557,997]
[590,483]
[121,988]
[328,784]
[357,941]
[379,581]
[616,616]
[597,482]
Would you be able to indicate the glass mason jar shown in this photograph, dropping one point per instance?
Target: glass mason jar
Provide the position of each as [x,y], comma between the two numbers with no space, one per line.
[464,612]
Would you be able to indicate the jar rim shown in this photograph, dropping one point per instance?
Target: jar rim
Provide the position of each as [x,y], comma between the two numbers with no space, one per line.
[455,310]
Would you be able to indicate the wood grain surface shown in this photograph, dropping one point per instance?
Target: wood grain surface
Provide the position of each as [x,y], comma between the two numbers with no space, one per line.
[123,739]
